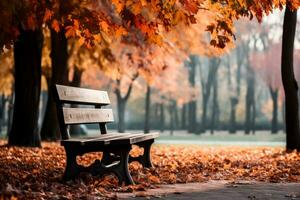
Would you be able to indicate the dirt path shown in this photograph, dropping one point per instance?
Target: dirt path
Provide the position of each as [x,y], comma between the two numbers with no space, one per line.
[222,190]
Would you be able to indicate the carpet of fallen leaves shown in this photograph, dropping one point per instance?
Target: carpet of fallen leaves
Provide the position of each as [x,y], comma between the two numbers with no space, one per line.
[35,173]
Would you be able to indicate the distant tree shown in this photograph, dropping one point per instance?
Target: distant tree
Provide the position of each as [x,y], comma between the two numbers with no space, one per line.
[147,109]
[267,65]
[6,86]
[192,105]
[206,85]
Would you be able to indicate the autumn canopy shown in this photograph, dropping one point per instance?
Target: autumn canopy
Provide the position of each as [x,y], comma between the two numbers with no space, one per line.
[98,21]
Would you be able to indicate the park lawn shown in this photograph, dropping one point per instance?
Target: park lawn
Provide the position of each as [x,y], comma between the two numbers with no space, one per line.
[35,173]
[224,136]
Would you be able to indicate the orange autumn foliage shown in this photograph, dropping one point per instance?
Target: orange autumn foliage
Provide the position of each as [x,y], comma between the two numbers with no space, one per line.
[6,73]
[92,21]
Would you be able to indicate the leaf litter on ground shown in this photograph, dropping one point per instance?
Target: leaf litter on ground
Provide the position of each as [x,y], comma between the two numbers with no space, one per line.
[36,173]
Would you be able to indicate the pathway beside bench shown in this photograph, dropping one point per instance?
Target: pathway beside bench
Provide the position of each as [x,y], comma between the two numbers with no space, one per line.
[219,190]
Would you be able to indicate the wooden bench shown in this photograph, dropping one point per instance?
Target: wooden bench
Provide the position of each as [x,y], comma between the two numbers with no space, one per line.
[115,146]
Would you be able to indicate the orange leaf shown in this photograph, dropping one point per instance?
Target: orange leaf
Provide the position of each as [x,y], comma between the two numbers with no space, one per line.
[70,32]
[48,15]
[55,25]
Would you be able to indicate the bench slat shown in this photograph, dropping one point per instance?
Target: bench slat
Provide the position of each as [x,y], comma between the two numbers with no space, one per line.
[96,138]
[113,138]
[135,139]
[67,94]
[126,137]
[87,115]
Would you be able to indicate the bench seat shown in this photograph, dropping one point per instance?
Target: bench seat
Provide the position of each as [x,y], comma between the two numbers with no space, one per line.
[111,139]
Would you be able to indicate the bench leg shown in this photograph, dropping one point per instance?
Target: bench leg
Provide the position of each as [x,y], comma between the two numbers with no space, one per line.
[108,165]
[144,159]
[121,170]
[72,168]
[109,158]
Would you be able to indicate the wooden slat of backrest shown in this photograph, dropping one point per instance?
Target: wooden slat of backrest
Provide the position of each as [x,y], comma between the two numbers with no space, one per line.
[67,94]
[87,115]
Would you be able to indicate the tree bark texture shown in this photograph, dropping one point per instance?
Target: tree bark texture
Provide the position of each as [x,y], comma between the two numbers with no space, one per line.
[27,74]
[290,84]
[59,58]
[147,110]
[206,90]
[274,122]
[192,106]
[75,130]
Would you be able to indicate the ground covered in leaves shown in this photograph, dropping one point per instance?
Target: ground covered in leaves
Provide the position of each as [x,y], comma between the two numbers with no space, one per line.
[35,173]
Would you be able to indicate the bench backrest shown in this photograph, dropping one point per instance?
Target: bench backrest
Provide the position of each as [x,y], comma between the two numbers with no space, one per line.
[81,96]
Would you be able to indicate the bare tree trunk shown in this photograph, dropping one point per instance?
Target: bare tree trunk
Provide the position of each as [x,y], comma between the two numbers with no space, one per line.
[171,113]
[2,107]
[27,57]
[176,117]
[289,82]
[192,106]
[10,113]
[215,106]
[162,117]
[234,98]
[250,98]
[121,104]
[206,89]
[253,127]
[183,117]
[75,130]
[274,122]
[59,58]
[121,115]
[147,110]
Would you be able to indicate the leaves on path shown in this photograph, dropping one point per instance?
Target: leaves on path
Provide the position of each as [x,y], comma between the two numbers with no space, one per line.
[35,173]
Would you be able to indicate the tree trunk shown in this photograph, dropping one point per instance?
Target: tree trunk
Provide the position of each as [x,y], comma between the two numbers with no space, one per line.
[10,113]
[215,106]
[59,59]
[253,128]
[274,96]
[75,130]
[234,99]
[121,115]
[176,118]
[121,103]
[162,118]
[44,98]
[233,104]
[250,97]
[206,89]
[192,106]
[171,113]
[147,110]
[27,57]
[289,82]
[2,106]
[183,117]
